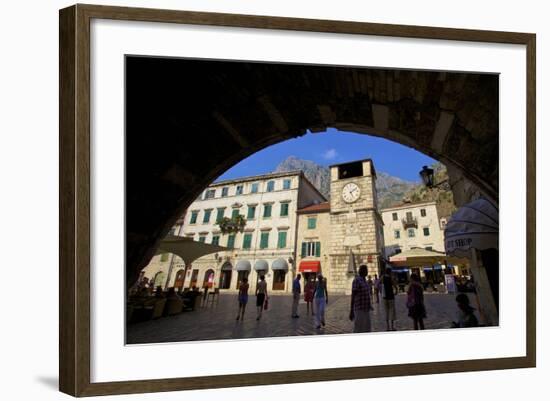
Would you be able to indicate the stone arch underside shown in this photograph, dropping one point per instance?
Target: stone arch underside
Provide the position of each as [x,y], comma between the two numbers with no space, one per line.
[190,120]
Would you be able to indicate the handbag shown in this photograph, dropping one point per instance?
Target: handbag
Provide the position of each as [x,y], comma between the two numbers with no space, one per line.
[266,304]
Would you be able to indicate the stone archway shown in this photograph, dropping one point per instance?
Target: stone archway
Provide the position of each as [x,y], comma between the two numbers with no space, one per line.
[190,120]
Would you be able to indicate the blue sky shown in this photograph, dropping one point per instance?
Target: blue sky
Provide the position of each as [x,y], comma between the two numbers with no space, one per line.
[332,147]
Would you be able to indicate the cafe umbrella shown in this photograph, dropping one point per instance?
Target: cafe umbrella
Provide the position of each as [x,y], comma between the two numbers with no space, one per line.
[475,227]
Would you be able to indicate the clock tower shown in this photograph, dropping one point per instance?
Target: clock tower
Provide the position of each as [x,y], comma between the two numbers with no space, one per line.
[355,223]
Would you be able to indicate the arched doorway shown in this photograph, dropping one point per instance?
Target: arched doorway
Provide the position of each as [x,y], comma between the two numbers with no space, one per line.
[452,117]
[225,276]
[280,269]
[243,268]
[261,267]
[208,280]
[180,278]
[158,280]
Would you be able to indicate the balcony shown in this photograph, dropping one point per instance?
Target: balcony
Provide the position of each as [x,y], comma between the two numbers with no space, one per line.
[409,222]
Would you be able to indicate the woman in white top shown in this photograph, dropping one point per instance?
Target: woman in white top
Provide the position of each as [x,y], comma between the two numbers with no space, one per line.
[261,295]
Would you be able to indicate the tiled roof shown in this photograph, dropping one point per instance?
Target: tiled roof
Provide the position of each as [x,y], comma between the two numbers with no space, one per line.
[314,208]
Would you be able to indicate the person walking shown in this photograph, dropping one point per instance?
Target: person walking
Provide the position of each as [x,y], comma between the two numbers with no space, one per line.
[261,296]
[243,298]
[296,291]
[377,285]
[360,302]
[388,294]
[415,302]
[320,295]
[309,287]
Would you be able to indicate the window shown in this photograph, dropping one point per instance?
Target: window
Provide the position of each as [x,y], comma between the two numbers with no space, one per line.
[284,209]
[225,192]
[281,243]
[409,216]
[264,240]
[311,223]
[426,231]
[423,212]
[206,217]
[267,211]
[219,214]
[311,249]
[235,213]
[396,234]
[216,240]
[163,257]
[410,232]
[194,216]
[210,193]
[247,241]
[239,190]
[394,216]
[429,248]
[231,241]
[254,188]
[286,184]
[270,186]
[251,212]
[202,238]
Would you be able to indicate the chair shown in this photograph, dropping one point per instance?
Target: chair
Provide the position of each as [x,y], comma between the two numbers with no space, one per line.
[159,308]
[213,296]
[173,306]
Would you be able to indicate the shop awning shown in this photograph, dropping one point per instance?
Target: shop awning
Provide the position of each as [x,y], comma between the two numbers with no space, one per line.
[261,265]
[279,264]
[243,265]
[227,266]
[187,249]
[420,257]
[309,266]
[474,225]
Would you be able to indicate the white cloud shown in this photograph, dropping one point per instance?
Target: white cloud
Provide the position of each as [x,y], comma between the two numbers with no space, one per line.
[330,154]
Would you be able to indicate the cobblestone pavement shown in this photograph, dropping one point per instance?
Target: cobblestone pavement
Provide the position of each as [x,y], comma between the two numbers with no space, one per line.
[218,321]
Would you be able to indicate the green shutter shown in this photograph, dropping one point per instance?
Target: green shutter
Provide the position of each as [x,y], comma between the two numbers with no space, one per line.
[318,249]
[264,241]
[219,216]
[235,213]
[194,217]
[206,217]
[251,212]
[231,241]
[304,249]
[311,222]
[215,240]
[284,209]
[247,241]
[282,240]
[267,210]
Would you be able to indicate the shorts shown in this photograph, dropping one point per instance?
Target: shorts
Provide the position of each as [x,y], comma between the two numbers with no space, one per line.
[389,306]
[260,298]
[243,299]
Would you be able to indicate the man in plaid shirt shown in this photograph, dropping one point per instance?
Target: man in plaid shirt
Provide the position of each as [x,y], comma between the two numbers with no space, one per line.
[360,302]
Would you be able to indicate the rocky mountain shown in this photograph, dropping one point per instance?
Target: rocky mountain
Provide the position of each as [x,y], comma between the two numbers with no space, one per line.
[318,175]
[391,190]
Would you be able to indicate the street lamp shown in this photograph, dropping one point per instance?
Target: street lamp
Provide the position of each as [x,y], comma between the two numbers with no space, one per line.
[427,175]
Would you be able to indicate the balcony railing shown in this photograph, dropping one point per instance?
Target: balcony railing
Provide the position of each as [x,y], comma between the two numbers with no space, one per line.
[409,222]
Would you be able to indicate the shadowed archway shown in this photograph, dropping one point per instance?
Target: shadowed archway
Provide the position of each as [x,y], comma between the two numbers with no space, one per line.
[190,120]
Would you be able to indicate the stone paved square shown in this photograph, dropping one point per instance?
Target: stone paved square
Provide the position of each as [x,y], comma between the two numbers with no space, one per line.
[218,322]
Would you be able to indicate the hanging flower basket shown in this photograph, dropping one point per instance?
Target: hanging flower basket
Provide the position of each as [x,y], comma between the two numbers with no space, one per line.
[233,225]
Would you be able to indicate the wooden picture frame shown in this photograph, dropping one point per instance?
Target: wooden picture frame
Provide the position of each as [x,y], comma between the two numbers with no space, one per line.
[74,304]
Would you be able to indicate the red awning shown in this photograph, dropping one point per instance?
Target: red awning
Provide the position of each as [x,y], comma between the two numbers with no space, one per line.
[310,266]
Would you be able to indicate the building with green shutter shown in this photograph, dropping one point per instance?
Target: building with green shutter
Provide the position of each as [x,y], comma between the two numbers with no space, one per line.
[266,246]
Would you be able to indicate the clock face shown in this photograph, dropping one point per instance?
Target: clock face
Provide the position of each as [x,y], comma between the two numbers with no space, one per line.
[351,192]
